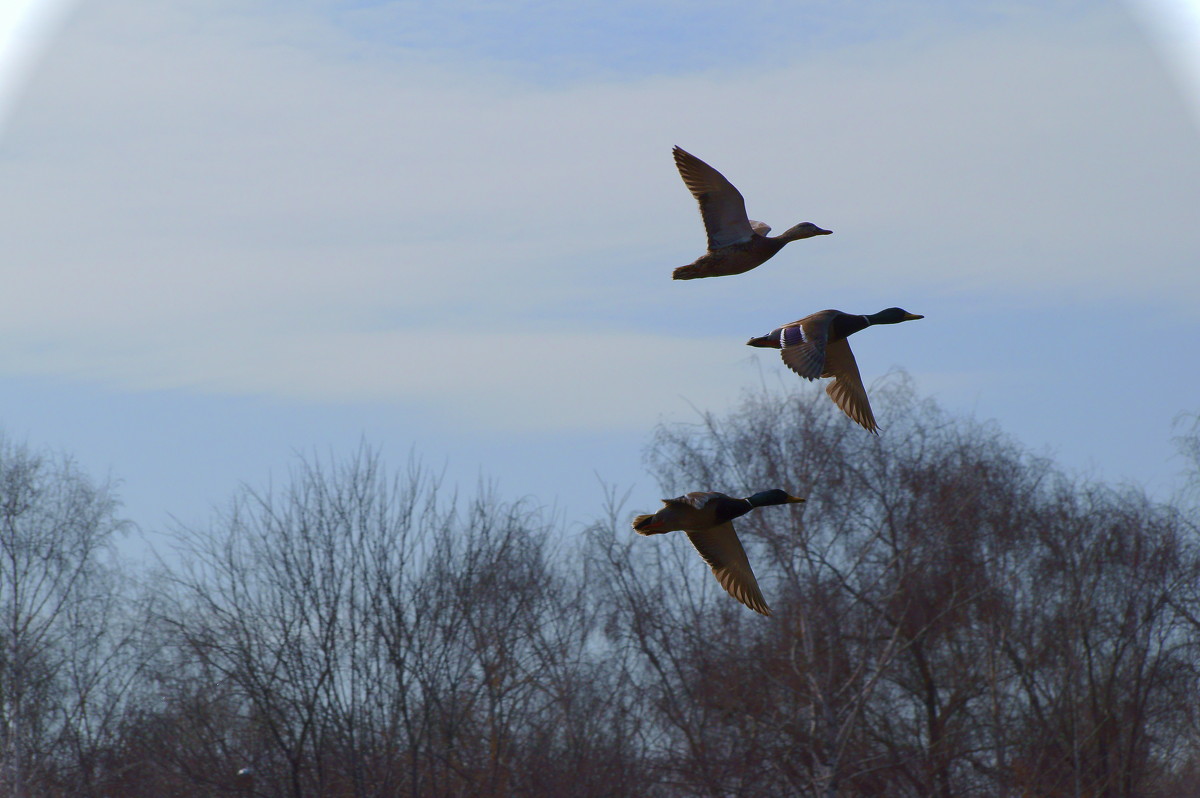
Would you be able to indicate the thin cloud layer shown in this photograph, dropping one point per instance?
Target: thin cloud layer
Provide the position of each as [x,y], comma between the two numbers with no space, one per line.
[506,381]
[257,204]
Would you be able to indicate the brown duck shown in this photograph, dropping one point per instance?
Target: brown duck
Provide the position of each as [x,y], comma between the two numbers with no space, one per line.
[707,517]
[816,346]
[736,243]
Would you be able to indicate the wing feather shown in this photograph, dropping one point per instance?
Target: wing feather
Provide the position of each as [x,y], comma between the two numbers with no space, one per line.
[803,344]
[847,390]
[721,205]
[721,549]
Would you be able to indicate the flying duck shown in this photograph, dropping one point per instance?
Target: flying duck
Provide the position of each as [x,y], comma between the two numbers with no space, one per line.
[816,346]
[707,517]
[736,243]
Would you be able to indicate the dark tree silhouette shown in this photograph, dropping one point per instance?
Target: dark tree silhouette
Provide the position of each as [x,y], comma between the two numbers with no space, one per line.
[65,638]
[953,616]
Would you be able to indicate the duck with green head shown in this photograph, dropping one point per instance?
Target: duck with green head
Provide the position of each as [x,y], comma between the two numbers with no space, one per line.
[736,243]
[707,518]
[816,346]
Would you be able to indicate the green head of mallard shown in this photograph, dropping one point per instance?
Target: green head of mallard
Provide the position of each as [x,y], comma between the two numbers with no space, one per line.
[892,316]
[767,498]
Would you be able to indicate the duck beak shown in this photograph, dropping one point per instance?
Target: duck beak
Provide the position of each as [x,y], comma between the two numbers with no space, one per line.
[795,500]
[912,317]
[823,232]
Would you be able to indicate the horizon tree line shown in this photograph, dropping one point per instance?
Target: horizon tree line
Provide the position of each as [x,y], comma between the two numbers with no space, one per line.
[953,616]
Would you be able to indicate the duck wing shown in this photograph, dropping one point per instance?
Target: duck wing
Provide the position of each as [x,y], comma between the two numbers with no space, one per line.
[721,549]
[803,344]
[696,500]
[847,390]
[721,205]
[696,510]
[762,228]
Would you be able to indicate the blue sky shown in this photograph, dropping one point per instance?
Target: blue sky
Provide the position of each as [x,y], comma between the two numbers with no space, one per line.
[238,231]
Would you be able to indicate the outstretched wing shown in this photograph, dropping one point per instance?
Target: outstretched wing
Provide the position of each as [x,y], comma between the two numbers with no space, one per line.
[721,549]
[721,205]
[803,344]
[847,390]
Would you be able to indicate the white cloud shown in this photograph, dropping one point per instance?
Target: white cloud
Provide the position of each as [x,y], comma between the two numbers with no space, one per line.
[503,381]
[195,201]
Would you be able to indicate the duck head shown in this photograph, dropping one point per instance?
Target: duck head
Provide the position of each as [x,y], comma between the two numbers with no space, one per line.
[767,498]
[893,316]
[803,230]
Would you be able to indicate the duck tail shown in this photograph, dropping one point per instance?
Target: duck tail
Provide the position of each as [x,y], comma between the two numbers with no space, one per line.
[689,272]
[641,522]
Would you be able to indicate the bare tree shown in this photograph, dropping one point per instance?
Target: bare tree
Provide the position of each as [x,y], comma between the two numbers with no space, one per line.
[954,616]
[61,640]
[361,634]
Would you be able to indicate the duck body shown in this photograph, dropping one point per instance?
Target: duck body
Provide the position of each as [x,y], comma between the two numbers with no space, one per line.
[816,346]
[736,258]
[706,517]
[736,243]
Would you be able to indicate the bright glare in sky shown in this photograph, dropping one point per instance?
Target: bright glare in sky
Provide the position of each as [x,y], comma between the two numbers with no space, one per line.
[1174,26]
[26,27]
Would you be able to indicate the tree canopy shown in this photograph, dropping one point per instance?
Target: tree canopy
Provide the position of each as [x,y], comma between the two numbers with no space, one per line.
[953,616]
